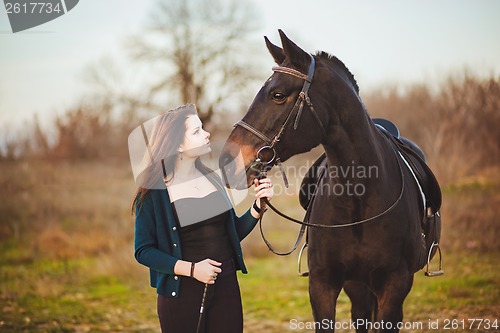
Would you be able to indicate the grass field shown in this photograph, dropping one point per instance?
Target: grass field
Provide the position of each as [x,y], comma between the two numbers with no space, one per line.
[66,259]
[77,296]
[470,289]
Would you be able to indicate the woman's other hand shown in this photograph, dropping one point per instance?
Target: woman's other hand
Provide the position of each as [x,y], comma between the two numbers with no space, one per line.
[206,271]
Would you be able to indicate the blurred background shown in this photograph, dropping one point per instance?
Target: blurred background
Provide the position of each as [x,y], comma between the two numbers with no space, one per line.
[72,90]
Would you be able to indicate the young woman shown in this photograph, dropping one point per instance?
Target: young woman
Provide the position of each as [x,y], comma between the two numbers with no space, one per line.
[188,233]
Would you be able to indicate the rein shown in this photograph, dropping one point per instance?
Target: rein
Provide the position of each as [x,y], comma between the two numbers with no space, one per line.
[305,223]
[350,224]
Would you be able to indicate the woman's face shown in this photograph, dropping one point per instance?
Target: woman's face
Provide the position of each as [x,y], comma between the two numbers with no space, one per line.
[196,140]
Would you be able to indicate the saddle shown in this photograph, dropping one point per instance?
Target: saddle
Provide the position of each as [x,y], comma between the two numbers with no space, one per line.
[431,223]
[415,158]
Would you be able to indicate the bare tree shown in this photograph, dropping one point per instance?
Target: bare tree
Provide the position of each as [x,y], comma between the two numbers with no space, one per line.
[201,51]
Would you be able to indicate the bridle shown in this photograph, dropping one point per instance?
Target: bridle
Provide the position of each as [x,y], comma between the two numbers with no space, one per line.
[260,162]
[265,164]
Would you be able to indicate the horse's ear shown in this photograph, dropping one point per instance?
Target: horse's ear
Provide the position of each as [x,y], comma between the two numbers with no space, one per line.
[295,54]
[276,51]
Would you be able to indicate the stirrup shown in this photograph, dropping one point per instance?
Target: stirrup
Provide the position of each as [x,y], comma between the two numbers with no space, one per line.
[304,274]
[440,271]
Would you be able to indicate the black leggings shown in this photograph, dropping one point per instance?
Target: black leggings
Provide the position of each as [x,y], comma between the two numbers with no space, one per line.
[222,313]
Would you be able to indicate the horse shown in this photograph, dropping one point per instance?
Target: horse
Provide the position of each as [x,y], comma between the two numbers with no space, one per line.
[370,242]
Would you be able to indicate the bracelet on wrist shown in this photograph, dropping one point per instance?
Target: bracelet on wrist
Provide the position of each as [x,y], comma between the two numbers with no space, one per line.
[191,274]
[257,208]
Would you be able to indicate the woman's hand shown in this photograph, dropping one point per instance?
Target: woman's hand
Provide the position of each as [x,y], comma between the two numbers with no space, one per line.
[206,271]
[263,189]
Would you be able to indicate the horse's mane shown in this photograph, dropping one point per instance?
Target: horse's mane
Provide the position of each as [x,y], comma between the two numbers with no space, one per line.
[339,63]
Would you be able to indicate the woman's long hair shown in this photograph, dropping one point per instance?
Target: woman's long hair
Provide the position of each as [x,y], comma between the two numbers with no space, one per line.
[167,135]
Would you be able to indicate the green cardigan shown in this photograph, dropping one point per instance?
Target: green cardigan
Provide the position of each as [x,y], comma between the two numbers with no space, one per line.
[157,242]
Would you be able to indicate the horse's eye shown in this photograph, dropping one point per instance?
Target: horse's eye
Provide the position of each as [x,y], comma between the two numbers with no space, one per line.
[279,97]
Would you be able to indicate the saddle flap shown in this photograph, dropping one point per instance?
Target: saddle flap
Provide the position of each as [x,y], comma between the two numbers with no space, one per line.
[424,175]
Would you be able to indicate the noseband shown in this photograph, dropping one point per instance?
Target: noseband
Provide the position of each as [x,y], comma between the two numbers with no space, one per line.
[260,162]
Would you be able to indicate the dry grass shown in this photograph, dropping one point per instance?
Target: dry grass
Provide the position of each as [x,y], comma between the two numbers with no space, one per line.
[67,210]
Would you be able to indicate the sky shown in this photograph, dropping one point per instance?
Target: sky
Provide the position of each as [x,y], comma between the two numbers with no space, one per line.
[382,42]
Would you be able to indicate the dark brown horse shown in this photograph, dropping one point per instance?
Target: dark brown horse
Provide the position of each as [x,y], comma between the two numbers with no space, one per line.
[369,240]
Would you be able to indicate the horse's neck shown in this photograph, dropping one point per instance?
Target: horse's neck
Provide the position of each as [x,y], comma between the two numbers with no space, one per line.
[353,141]
[352,137]
[359,156]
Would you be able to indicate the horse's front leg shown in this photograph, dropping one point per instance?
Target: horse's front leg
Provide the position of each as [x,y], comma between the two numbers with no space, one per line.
[324,289]
[364,304]
[390,297]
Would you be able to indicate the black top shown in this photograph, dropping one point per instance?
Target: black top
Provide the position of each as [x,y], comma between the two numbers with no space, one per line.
[203,232]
